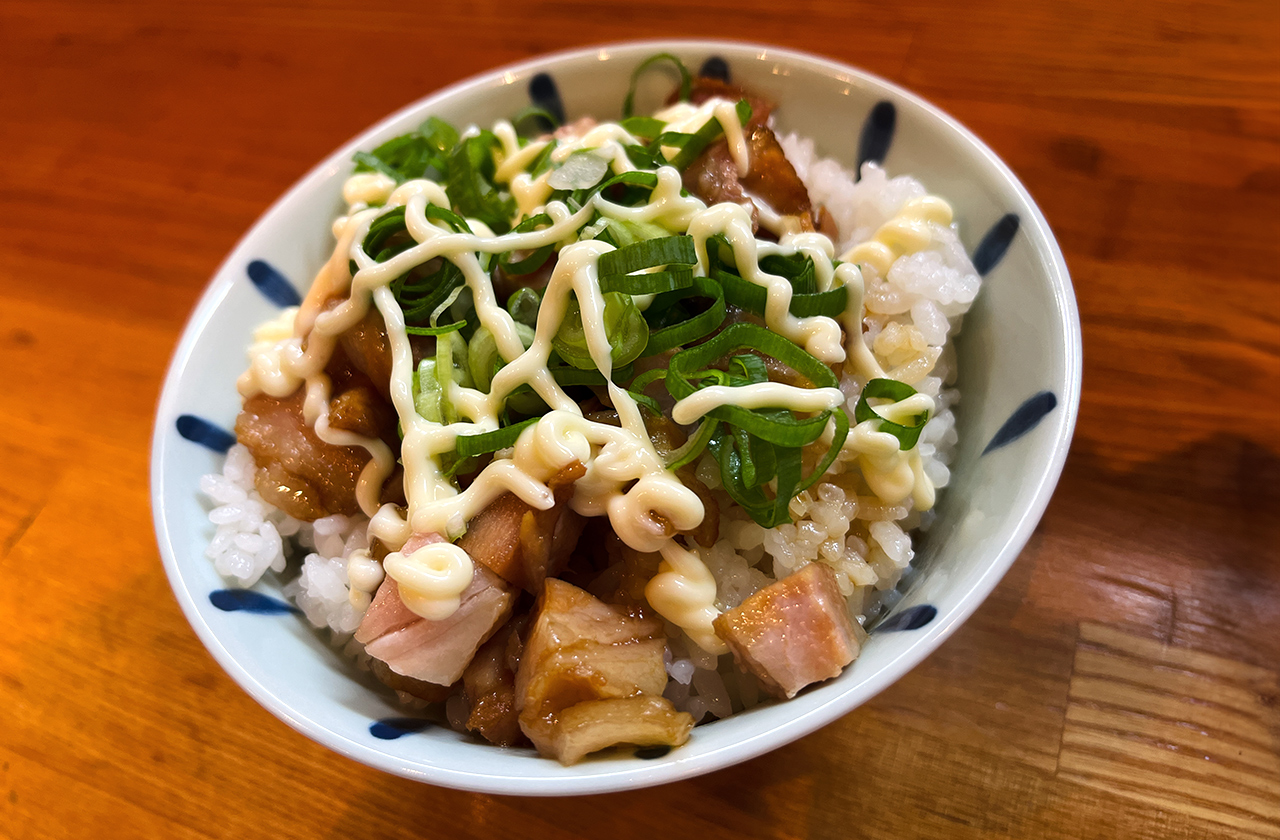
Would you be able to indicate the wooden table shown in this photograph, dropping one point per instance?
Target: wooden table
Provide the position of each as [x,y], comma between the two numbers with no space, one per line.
[1121,682]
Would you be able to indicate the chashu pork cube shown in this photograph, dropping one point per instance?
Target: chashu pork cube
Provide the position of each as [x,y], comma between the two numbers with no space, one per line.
[644,720]
[434,651]
[490,683]
[592,676]
[297,471]
[523,545]
[793,632]
[421,689]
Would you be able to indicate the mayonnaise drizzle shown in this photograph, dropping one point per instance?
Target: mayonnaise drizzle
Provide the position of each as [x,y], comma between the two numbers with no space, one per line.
[687,118]
[267,372]
[819,335]
[431,579]
[759,395]
[626,479]
[893,475]
[906,233]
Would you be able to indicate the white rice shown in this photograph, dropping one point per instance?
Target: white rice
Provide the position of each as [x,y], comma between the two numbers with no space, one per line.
[253,536]
[322,591]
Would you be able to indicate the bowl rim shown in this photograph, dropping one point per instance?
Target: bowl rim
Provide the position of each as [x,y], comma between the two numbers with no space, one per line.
[630,774]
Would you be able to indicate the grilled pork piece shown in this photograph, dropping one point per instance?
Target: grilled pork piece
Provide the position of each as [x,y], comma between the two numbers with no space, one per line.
[297,472]
[421,689]
[705,88]
[367,346]
[772,177]
[592,676]
[524,545]
[434,651]
[490,682]
[623,579]
[793,632]
[714,178]
[644,720]
[708,531]
[359,409]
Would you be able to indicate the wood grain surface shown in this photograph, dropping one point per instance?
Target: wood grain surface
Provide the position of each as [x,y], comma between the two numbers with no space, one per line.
[1122,682]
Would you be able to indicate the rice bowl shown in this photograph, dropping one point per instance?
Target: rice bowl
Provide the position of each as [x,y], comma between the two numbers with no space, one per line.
[742,541]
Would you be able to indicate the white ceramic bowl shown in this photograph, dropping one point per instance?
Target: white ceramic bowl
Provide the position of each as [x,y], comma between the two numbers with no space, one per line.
[1020,376]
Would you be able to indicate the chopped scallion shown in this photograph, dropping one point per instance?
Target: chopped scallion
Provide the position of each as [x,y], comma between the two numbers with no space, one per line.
[890,389]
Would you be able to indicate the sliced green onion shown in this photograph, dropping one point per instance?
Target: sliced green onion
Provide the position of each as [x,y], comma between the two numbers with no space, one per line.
[631,179]
[753,297]
[382,229]
[637,179]
[441,330]
[447,304]
[427,392]
[648,284]
[369,162]
[797,268]
[647,378]
[627,331]
[748,463]
[468,446]
[690,145]
[542,162]
[484,358]
[689,330]
[452,361]
[831,303]
[537,258]
[647,401]
[567,376]
[524,400]
[744,336]
[470,182]
[643,158]
[418,154]
[752,367]
[523,306]
[450,368]
[620,234]
[837,442]
[647,127]
[891,389]
[780,426]
[452,219]
[667,250]
[421,299]
[543,120]
[529,264]
[720,255]
[768,512]
[694,446]
[686,80]
[581,170]
[693,145]
[759,461]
